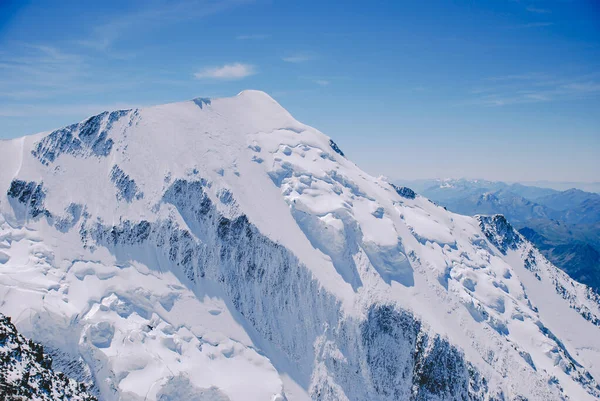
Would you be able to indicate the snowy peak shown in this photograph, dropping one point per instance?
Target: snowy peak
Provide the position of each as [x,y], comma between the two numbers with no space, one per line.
[222,235]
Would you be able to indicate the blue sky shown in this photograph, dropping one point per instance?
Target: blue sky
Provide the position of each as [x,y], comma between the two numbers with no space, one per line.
[502,90]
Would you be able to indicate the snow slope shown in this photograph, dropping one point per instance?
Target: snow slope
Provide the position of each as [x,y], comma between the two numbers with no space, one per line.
[221,250]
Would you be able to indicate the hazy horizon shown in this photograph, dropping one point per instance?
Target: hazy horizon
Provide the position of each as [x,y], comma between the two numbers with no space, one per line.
[588,186]
[485,179]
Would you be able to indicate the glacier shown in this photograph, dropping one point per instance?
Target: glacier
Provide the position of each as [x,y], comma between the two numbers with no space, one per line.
[218,249]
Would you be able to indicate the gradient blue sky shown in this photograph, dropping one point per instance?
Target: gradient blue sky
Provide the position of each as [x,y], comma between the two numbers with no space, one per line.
[502,90]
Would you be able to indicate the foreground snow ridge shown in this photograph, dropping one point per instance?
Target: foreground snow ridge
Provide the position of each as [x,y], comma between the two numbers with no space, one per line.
[218,249]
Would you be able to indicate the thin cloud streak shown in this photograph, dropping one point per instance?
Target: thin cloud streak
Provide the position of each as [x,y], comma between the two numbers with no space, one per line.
[519,77]
[534,88]
[44,71]
[298,58]
[105,35]
[583,87]
[535,25]
[32,73]
[258,36]
[29,110]
[227,72]
[537,10]
[40,67]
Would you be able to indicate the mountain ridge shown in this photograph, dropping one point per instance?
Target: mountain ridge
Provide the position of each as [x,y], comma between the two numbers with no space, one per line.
[568,220]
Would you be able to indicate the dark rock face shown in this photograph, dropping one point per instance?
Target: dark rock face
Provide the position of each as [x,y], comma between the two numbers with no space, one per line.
[336,148]
[26,372]
[405,192]
[31,195]
[391,355]
[499,232]
[423,367]
[127,189]
[201,101]
[87,137]
[59,141]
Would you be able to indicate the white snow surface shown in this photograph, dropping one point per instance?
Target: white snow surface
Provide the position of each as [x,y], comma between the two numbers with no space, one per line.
[147,330]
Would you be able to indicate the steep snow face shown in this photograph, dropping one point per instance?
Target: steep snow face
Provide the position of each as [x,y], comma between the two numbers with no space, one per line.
[219,249]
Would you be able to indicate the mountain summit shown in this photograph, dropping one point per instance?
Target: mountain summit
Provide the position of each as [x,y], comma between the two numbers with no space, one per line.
[218,249]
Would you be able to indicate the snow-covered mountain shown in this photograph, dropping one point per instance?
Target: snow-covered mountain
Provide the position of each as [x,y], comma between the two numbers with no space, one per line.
[221,250]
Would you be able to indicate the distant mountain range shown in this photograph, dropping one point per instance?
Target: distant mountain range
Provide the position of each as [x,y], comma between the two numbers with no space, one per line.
[565,185]
[564,225]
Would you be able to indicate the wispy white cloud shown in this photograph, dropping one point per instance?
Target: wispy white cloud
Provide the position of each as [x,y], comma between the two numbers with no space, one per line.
[39,67]
[28,110]
[41,80]
[298,58]
[583,87]
[227,72]
[535,88]
[151,14]
[256,36]
[284,93]
[537,10]
[532,76]
[536,97]
[25,94]
[33,73]
[534,25]
[321,80]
